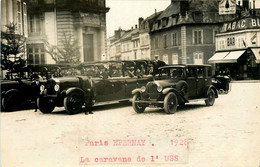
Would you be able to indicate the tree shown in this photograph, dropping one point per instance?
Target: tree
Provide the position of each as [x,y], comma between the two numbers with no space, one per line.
[68,52]
[12,49]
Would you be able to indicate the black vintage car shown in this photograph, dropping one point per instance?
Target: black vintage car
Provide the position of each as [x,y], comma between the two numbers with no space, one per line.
[22,88]
[100,83]
[181,84]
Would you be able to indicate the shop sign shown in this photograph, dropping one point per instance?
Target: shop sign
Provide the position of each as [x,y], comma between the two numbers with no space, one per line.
[90,19]
[227,7]
[242,24]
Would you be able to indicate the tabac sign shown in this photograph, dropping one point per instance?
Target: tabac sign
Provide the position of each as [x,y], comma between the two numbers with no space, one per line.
[242,24]
[227,7]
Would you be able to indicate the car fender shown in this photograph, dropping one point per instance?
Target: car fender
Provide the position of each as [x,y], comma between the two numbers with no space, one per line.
[11,90]
[214,89]
[167,90]
[135,91]
[76,90]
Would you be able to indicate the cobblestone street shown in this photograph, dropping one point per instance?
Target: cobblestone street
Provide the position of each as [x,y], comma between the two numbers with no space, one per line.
[226,134]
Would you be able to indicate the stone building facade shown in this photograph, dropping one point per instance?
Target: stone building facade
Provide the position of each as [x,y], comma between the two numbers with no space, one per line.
[185,31]
[14,11]
[50,22]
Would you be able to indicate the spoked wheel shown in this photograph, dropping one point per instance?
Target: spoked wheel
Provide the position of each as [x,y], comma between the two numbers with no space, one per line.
[139,108]
[12,101]
[44,105]
[73,103]
[211,98]
[170,103]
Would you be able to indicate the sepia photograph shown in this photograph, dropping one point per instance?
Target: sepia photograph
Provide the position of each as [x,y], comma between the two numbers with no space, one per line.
[130,83]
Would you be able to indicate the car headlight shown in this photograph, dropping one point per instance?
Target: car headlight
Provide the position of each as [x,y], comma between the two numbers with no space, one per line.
[42,87]
[159,88]
[143,88]
[57,87]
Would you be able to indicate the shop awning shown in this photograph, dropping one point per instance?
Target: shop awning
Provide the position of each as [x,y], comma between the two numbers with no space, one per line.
[217,57]
[257,54]
[233,56]
[226,57]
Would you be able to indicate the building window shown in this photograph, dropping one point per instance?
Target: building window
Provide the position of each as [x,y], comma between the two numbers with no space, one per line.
[175,58]
[174,39]
[35,26]
[164,40]
[118,49]
[197,37]
[156,42]
[164,22]
[25,19]
[35,54]
[19,17]
[198,58]
[166,59]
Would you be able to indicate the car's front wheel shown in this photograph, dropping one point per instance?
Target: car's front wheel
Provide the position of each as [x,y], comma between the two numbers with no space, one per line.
[139,108]
[170,103]
[44,105]
[210,98]
[73,103]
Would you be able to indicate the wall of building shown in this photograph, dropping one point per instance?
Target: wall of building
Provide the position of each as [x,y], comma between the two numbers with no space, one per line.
[55,23]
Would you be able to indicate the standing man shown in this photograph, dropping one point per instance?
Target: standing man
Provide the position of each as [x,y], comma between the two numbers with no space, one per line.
[157,64]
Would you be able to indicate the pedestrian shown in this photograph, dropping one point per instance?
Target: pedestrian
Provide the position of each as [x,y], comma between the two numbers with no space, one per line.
[88,98]
[88,106]
[157,64]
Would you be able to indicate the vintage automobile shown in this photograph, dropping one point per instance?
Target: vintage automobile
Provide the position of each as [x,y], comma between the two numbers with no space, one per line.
[22,88]
[181,84]
[99,83]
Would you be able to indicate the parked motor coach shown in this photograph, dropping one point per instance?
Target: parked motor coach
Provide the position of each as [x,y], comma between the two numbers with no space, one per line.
[181,84]
[99,82]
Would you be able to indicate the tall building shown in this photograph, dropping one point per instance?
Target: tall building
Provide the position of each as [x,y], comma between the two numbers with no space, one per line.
[82,23]
[185,31]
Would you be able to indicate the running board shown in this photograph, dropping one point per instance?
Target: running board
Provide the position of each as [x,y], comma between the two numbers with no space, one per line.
[196,100]
[110,102]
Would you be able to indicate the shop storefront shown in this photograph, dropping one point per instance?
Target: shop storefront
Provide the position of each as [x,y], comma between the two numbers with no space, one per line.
[239,64]
[238,49]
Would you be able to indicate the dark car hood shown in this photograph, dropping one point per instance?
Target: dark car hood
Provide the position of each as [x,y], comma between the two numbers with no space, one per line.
[165,83]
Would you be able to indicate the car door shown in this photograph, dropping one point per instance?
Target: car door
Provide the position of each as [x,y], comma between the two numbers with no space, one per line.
[130,84]
[200,80]
[104,89]
[119,88]
[192,81]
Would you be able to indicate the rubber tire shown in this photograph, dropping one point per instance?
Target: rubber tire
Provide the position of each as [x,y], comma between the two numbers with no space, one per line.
[137,108]
[44,105]
[211,98]
[170,99]
[73,103]
[12,101]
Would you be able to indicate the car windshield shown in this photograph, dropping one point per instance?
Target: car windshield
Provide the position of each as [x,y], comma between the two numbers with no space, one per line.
[174,72]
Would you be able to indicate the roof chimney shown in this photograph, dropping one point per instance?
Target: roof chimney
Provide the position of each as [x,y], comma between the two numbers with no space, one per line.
[140,20]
